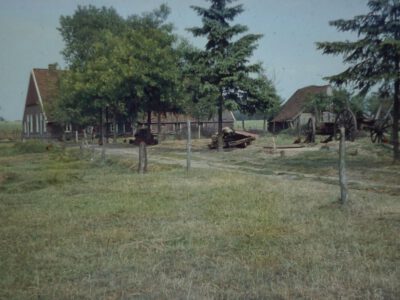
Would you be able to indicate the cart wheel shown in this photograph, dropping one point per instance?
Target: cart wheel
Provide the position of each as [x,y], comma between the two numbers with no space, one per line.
[347,119]
[380,130]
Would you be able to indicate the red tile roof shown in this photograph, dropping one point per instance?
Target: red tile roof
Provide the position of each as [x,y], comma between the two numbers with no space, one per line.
[295,104]
[47,82]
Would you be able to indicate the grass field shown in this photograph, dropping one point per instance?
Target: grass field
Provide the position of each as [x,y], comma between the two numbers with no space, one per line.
[71,227]
[250,124]
[10,130]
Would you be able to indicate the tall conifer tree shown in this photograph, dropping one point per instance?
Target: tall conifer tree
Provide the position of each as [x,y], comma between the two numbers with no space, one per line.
[226,70]
[375,57]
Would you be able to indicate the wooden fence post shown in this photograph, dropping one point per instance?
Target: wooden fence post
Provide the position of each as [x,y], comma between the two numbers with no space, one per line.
[199,130]
[188,146]
[342,167]
[142,158]
[273,145]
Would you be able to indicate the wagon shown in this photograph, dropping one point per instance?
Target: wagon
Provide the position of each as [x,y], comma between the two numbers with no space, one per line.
[331,126]
[233,138]
[379,125]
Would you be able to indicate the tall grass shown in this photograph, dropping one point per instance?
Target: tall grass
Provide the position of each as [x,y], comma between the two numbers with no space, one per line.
[10,130]
[73,228]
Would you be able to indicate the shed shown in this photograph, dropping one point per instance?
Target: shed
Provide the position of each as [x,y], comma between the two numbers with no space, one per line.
[292,111]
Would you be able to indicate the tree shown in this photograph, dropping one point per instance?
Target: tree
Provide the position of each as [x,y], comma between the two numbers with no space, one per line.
[84,28]
[335,103]
[157,79]
[271,102]
[198,100]
[117,64]
[1,118]
[375,57]
[226,71]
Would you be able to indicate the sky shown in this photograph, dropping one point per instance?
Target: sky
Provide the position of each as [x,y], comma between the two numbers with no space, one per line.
[29,38]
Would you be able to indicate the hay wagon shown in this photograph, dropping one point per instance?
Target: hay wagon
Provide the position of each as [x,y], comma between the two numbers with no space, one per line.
[329,125]
[378,126]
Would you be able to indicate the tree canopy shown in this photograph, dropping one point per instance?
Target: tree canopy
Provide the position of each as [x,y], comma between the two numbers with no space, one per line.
[374,58]
[125,65]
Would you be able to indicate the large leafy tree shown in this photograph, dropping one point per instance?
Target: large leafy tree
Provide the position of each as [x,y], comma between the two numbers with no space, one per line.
[102,83]
[374,58]
[124,65]
[198,100]
[226,70]
[84,28]
[157,79]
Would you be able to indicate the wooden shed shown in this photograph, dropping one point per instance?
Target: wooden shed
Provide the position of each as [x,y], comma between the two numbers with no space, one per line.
[292,112]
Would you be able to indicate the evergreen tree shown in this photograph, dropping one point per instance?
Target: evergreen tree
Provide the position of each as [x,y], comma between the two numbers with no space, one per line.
[375,57]
[226,70]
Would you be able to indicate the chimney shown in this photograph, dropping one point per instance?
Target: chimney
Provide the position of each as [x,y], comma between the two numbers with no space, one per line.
[53,67]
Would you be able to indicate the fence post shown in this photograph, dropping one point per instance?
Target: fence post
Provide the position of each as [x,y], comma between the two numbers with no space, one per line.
[188,147]
[342,167]
[142,158]
[199,130]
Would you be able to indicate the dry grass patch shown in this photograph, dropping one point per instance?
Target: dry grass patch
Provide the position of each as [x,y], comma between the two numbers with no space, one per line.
[104,231]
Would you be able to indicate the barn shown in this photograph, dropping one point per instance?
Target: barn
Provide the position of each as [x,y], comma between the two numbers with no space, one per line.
[292,112]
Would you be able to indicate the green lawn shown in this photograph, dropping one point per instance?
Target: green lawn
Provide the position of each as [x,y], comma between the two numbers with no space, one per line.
[76,228]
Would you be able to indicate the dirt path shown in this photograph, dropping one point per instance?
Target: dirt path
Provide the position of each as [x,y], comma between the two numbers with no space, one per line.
[213,160]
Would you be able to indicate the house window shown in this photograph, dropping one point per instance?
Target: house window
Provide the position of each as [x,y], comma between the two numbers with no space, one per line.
[44,124]
[111,127]
[40,123]
[37,122]
[30,120]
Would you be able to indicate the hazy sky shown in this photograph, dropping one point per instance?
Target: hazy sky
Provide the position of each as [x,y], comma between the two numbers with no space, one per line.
[29,38]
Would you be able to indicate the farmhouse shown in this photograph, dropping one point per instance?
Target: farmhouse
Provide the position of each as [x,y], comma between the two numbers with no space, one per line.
[42,90]
[38,122]
[292,112]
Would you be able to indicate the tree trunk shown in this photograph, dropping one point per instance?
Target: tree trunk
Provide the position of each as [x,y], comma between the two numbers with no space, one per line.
[243,127]
[107,125]
[265,124]
[148,125]
[159,123]
[220,137]
[396,113]
[102,142]
[188,146]
[142,158]
[115,129]
[342,168]
[101,136]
